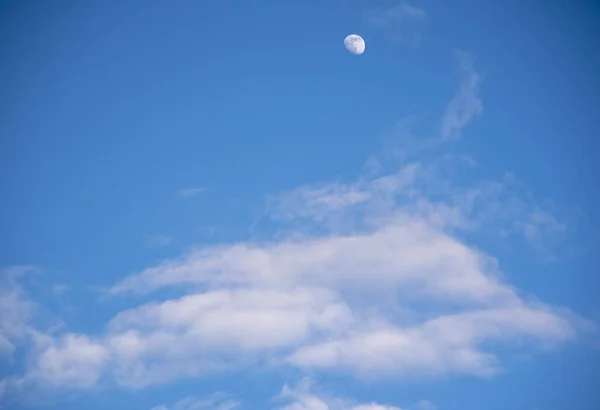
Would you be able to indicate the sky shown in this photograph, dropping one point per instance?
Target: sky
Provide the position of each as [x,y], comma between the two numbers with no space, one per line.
[213,205]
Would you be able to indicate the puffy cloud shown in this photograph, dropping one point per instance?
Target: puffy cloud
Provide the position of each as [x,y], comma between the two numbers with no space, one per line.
[405,298]
[408,254]
[74,361]
[204,332]
[71,360]
[446,344]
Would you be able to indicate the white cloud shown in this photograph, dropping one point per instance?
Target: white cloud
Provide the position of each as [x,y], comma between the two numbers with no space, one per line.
[197,333]
[446,344]
[341,302]
[72,360]
[301,397]
[317,202]
[407,253]
[298,397]
[325,201]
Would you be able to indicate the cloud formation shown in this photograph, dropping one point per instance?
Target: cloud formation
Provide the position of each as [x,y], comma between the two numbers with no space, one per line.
[301,397]
[72,360]
[372,277]
[297,397]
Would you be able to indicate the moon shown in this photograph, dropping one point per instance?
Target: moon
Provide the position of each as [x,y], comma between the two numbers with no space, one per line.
[355,44]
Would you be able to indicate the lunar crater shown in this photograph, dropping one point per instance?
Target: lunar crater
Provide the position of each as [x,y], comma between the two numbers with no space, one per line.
[355,44]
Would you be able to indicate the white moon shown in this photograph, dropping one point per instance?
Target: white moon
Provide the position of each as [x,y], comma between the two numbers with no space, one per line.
[355,44]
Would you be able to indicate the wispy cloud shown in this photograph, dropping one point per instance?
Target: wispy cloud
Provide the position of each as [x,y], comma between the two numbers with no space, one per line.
[540,224]
[190,192]
[466,104]
[301,397]
[67,360]
[16,310]
[217,401]
[304,395]
[398,22]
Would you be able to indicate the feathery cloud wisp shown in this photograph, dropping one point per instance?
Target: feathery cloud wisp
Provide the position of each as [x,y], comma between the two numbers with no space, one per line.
[215,402]
[301,397]
[191,192]
[398,22]
[466,104]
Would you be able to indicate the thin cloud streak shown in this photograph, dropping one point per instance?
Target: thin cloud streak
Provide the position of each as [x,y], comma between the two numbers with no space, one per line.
[466,104]
[191,192]
[217,401]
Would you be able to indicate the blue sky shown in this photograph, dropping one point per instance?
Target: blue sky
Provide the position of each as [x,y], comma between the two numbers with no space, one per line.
[214,205]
